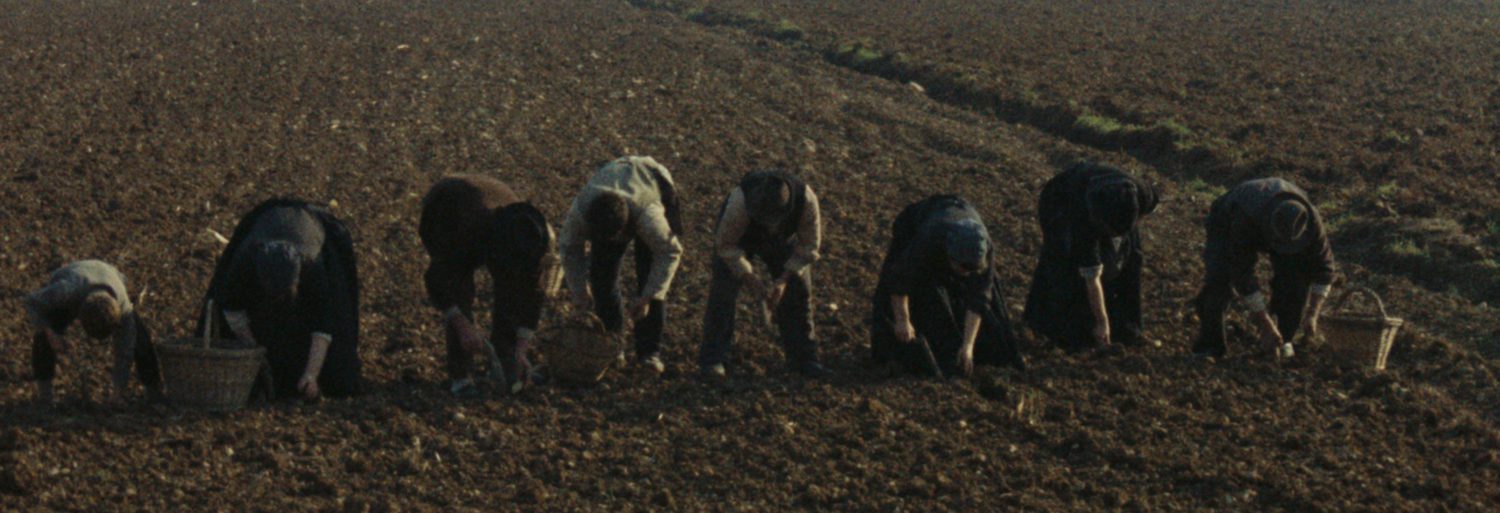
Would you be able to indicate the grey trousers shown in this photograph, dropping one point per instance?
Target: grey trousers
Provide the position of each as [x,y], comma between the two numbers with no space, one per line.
[793,317]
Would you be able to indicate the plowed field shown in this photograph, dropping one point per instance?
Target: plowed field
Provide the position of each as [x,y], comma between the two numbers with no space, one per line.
[133,128]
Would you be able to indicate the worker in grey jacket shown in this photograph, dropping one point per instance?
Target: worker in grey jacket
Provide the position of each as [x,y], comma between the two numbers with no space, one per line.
[629,199]
[92,292]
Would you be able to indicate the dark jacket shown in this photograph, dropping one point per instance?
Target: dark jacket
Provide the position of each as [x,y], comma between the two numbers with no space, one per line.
[1239,219]
[328,293]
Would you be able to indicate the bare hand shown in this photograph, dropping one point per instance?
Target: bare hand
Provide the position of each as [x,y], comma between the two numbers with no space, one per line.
[523,363]
[308,385]
[640,308]
[1101,333]
[1310,326]
[469,338]
[966,362]
[778,290]
[905,332]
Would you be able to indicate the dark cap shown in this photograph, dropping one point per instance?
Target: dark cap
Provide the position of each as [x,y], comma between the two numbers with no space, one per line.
[769,202]
[1287,229]
[1113,205]
[967,243]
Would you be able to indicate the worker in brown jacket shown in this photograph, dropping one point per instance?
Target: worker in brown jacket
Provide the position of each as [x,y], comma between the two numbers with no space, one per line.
[474,221]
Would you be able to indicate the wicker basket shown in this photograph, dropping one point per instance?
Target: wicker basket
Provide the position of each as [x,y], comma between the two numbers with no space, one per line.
[1362,339]
[579,350]
[208,374]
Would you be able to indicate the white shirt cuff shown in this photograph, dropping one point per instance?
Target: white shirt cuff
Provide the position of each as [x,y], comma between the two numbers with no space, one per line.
[1321,289]
[451,311]
[524,334]
[1089,273]
[326,337]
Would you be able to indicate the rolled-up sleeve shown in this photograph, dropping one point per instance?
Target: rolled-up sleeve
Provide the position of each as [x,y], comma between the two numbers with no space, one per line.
[570,244]
[809,235]
[666,251]
[731,229]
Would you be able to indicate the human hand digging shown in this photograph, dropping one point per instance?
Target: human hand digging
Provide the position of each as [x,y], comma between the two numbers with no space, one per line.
[468,336]
[778,290]
[640,308]
[1101,333]
[308,385]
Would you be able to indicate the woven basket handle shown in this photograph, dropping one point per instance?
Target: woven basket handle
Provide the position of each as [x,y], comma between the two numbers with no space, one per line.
[1363,291]
[208,325]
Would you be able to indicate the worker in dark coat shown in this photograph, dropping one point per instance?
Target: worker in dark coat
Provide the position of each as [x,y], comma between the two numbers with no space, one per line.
[774,216]
[288,281]
[1274,217]
[938,283]
[1086,291]
[93,293]
[474,221]
[630,199]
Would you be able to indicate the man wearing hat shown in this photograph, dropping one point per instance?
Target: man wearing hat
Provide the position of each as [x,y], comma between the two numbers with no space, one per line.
[1271,216]
[772,215]
[93,293]
[631,199]
[1086,291]
[938,284]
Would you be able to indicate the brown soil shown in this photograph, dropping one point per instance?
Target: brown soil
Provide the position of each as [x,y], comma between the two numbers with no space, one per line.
[133,128]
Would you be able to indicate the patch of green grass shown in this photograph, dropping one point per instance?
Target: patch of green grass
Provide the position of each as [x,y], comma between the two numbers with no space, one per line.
[1198,186]
[1098,123]
[1392,137]
[858,53]
[1179,131]
[1405,248]
[1387,190]
[1031,97]
[786,30]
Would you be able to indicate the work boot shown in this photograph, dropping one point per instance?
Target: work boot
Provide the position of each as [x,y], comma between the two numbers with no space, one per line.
[464,389]
[811,369]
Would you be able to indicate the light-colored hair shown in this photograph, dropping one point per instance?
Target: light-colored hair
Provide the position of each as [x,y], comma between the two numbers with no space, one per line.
[100,314]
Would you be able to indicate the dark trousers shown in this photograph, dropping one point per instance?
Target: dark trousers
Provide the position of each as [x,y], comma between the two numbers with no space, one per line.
[451,283]
[44,358]
[1289,286]
[938,314]
[604,279]
[1058,304]
[793,316]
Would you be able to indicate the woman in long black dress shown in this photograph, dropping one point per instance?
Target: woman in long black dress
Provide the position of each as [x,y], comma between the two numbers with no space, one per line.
[1086,291]
[938,283]
[288,281]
